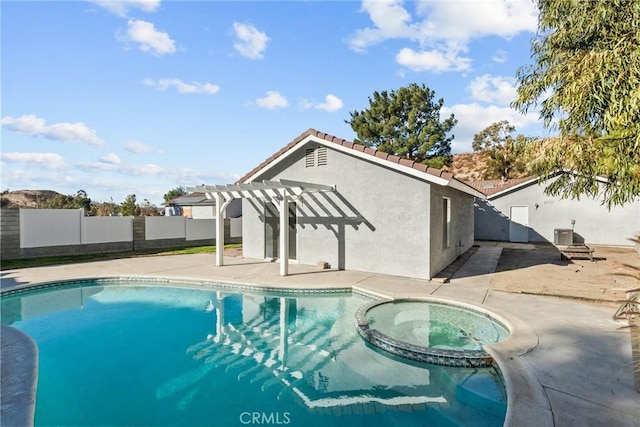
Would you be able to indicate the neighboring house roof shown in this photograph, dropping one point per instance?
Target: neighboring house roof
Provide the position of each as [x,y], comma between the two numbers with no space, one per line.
[496,187]
[436,176]
[191,199]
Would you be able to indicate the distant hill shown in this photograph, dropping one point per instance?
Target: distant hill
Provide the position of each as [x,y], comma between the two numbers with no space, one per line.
[472,166]
[26,198]
[468,166]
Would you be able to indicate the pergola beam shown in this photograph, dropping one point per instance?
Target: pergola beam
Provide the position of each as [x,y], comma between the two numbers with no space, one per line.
[282,190]
[307,187]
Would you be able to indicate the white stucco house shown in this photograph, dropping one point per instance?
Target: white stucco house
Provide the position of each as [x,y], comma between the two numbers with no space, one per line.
[352,207]
[517,210]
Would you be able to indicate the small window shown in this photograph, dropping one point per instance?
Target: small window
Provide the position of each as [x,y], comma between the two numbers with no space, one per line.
[446,222]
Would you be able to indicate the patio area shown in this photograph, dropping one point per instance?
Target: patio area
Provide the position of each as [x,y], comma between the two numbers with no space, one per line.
[566,363]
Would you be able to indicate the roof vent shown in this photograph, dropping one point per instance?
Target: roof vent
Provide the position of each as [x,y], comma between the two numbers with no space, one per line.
[309,158]
[315,157]
[488,185]
[322,156]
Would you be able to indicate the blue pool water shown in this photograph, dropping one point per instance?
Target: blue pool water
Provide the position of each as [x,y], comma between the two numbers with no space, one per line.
[147,355]
[436,325]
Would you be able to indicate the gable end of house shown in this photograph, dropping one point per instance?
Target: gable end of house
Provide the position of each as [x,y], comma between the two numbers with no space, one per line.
[407,166]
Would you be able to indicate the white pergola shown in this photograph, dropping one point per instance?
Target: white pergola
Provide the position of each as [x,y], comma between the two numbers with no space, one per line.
[281,191]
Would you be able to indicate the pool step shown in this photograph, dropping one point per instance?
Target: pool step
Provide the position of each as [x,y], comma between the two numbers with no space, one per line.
[478,397]
[461,415]
[480,391]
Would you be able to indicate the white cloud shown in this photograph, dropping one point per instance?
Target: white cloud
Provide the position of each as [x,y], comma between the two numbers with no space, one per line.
[493,89]
[110,185]
[273,100]
[29,124]
[473,118]
[149,39]
[98,166]
[111,158]
[182,87]
[122,7]
[138,147]
[148,169]
[442,28]
[465,20]
[331,104]
[195,177]
[500,56]
[434,60]
[67,132]
[250,42]
[133,170]
[390,20]
[73,132]
[45,160]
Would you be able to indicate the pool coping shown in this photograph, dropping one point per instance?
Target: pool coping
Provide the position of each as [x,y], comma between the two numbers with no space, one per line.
[523,388]
[19,377]
[435,356]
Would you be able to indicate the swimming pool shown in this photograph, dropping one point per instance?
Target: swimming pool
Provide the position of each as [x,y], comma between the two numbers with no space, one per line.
[136,353]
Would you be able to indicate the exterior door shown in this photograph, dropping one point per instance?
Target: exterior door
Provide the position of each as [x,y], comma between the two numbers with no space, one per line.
[519,224]
[272,231]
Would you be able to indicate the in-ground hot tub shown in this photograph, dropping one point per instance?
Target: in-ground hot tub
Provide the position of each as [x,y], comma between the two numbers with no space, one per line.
[428,331]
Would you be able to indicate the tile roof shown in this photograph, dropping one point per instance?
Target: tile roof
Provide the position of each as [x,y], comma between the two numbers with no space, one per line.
[493,186]
[351,145]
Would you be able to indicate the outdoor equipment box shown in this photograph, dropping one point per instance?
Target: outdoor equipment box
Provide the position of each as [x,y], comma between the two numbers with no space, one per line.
[563,236]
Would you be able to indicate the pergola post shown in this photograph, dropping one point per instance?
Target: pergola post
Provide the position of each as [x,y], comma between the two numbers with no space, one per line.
[284,235]
[219,230]
[283,190]
[284,333]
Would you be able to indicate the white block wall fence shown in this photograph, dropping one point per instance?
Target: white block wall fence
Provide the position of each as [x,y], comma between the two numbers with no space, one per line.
[50,227]
[30,233]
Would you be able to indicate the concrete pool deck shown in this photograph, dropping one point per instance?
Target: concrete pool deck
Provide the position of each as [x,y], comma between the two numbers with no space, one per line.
[567,362]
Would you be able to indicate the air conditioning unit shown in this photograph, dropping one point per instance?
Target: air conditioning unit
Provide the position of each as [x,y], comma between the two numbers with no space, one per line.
[563,236]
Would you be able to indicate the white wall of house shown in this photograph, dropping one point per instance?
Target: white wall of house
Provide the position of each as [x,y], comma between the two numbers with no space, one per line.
[377,220]
[594,223]
[443,251]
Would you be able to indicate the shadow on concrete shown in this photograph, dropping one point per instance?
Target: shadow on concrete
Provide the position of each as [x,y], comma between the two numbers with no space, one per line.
[7,281]
[487,257]
[321,210]
[587,375]
[513,258]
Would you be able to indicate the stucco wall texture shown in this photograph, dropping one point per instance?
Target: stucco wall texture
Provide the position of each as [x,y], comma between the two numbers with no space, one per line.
[594,222]
[378,220]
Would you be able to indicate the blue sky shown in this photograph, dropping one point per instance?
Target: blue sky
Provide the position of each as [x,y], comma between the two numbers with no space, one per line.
[140,97]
